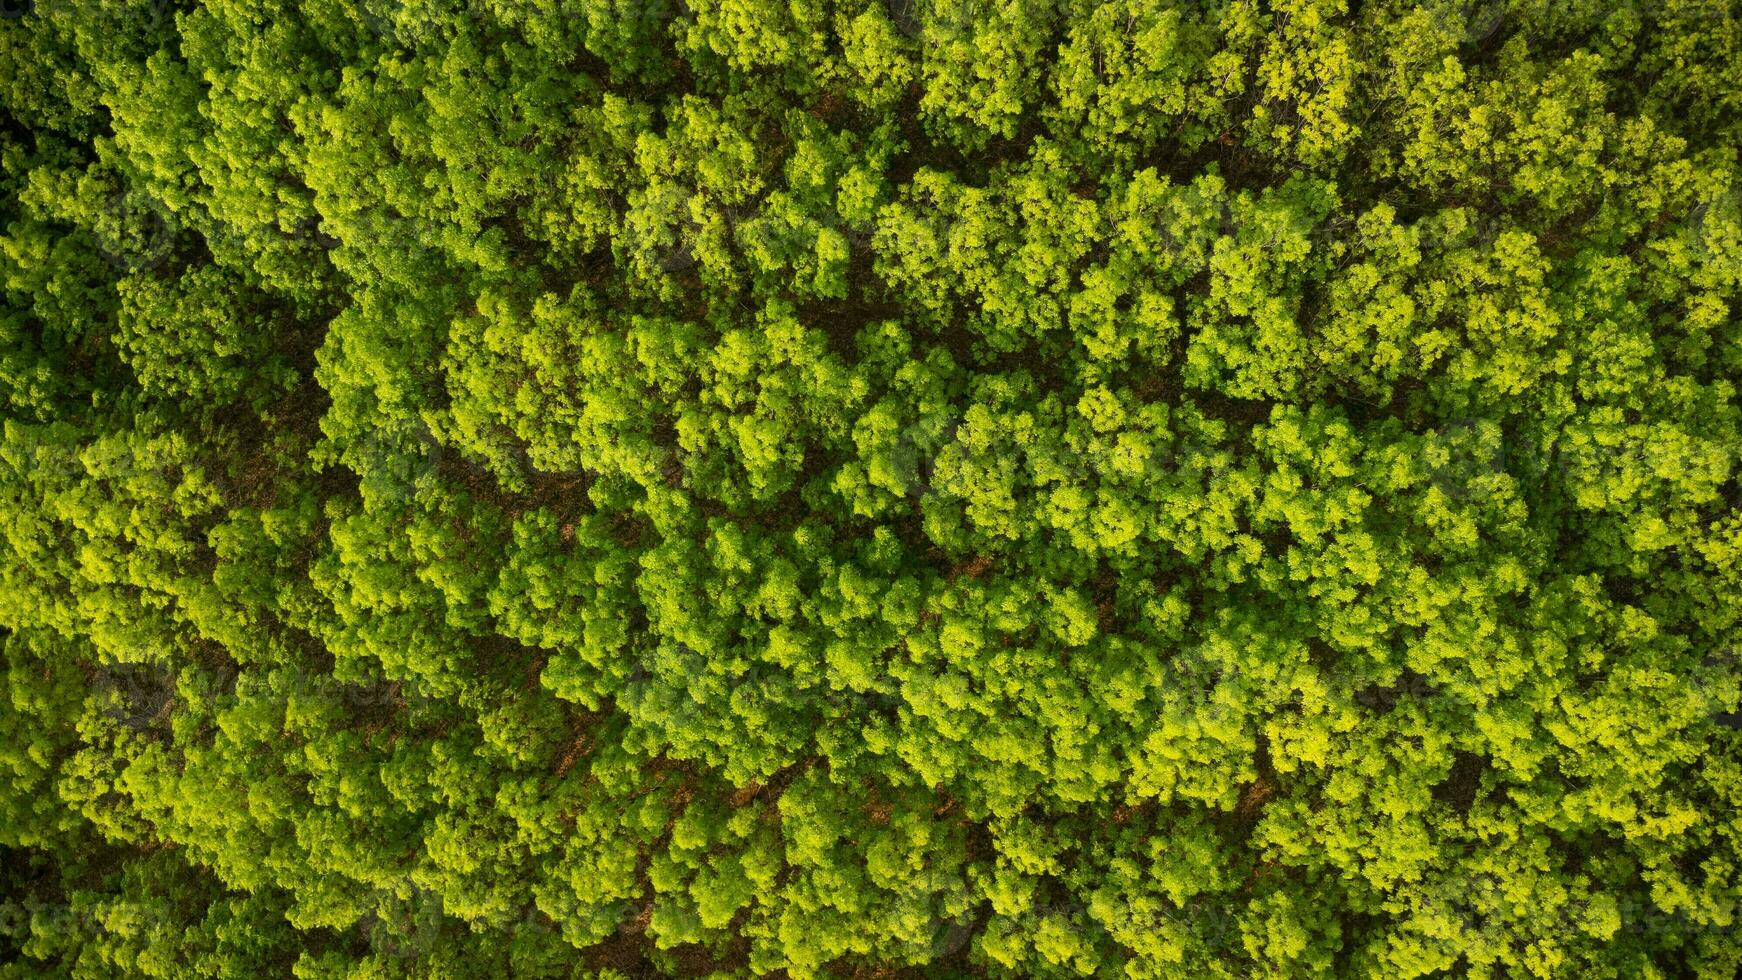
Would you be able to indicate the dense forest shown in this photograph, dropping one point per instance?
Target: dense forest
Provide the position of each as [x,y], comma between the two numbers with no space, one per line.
[870,488]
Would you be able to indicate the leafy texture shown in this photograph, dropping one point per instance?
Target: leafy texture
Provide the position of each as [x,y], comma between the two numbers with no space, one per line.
[832,487]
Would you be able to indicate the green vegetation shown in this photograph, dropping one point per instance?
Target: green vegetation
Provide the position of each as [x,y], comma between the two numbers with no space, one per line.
[1030,488]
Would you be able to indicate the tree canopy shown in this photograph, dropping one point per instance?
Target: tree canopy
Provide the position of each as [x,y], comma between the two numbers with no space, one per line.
[1008,488]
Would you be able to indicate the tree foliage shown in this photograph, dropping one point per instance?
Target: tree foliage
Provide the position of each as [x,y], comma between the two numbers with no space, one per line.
[1152,488]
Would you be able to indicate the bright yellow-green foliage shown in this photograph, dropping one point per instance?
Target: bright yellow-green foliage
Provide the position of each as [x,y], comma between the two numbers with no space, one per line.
[1009,488]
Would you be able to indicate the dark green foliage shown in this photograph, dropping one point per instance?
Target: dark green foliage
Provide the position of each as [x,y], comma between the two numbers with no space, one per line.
[842,487]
